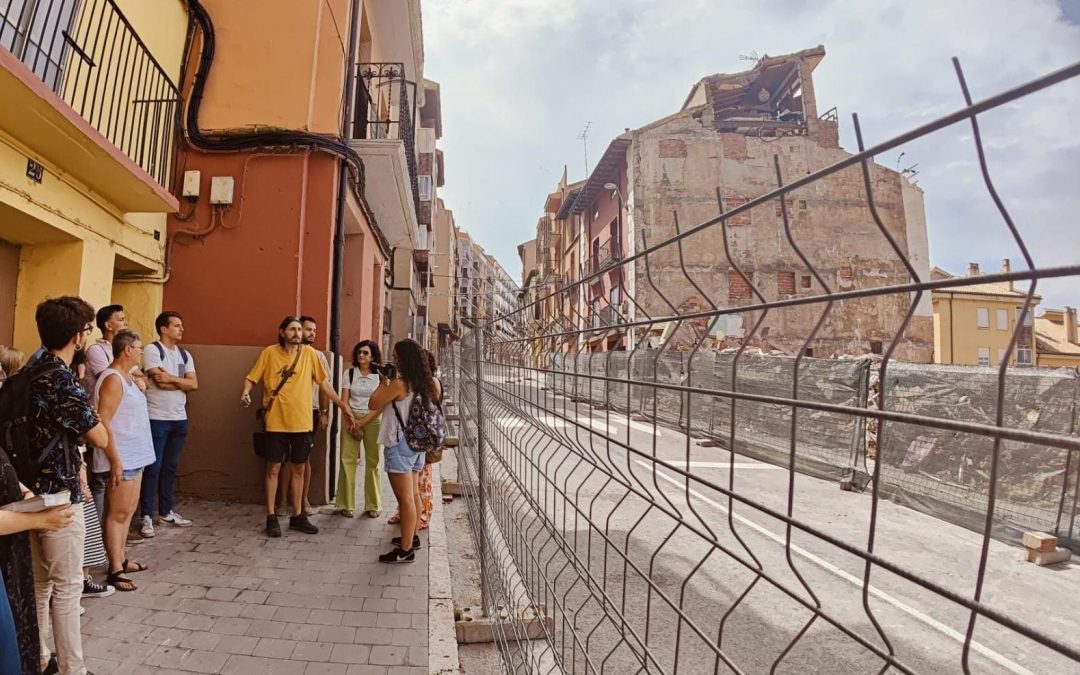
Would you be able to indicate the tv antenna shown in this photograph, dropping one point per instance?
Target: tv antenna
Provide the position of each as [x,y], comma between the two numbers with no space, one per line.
[752,56]
[584,138]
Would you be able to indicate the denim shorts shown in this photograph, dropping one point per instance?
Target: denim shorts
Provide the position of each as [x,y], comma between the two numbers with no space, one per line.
[400,458]
[131,474]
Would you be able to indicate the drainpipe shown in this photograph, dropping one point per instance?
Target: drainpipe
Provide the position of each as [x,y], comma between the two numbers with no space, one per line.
[339,238]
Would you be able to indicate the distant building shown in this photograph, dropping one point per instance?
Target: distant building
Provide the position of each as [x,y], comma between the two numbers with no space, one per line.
[1056,338]
[724,138]
[973,324]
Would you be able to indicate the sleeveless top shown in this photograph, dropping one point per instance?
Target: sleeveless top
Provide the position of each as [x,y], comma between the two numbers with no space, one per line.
[390,429]
[130,426]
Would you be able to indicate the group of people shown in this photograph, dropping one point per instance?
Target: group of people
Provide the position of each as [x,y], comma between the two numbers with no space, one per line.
[375,400]
[106,426]
[102,434]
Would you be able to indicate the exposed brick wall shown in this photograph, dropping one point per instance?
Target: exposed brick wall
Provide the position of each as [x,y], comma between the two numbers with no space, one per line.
[734,146]
[785,283]
[738,289]
[672,148]
[743,218]
[424,162]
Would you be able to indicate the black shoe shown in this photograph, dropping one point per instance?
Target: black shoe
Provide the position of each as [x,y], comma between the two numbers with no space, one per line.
[272,527]
[53,668]
[92,589]
[398,556]
[396,541]
[302,524]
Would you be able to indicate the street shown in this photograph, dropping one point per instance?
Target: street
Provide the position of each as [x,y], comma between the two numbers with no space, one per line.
[573,558]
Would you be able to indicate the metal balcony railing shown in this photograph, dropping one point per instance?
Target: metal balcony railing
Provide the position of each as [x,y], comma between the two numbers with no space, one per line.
[92,58]
[606,255]
[384,110]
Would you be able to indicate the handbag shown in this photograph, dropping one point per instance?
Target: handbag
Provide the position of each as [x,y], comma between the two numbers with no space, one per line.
[260,438]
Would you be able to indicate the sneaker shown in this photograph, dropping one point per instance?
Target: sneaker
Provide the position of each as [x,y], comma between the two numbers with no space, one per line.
[92,589]
[134,538]
[302,524]
[398,556]
[396,541]
[273,529]
[147,527]
[174,518]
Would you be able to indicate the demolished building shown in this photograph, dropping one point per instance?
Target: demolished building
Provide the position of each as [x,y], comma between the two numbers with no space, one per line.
[723,142]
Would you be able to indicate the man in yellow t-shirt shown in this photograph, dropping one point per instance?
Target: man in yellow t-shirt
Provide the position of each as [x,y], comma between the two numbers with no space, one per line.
[290,435]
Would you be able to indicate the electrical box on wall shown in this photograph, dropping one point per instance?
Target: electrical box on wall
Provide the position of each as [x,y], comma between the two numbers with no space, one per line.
[192,180]
[221,190]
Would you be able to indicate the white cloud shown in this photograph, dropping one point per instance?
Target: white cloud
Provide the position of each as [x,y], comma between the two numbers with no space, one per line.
[521,77]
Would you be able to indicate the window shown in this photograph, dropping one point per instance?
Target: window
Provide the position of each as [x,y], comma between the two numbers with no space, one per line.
[1023,356]
[1001,356]
[875,346]
[809,351]
[805,281]
[1022,317]
[424,183]
[738,288]
[33,30]
[785,283]
[1003,319]
[984,356]
[982,318]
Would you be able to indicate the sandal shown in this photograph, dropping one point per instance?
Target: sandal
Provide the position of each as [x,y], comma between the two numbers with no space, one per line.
[373,513]
[394,519]
[132,567]
[121,583]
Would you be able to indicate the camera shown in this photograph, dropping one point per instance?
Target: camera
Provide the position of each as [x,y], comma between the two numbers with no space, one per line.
[387,370]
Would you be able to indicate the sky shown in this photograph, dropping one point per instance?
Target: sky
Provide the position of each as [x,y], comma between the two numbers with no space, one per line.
[520,79]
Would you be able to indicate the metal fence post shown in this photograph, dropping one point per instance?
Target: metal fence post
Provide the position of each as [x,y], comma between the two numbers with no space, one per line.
[485,599]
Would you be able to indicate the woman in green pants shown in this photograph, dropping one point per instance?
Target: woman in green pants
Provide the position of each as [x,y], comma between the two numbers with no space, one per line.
[359,384]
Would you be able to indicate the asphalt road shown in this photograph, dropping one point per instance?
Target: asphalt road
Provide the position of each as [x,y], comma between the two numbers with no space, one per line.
[640,565]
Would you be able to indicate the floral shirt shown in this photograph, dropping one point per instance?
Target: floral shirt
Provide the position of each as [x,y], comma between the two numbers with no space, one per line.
[58,403]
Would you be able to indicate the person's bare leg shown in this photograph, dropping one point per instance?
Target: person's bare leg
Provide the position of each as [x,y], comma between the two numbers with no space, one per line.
[296,480]
[403,486]
[307,484]
[122,501]
[273,469]
[418,499]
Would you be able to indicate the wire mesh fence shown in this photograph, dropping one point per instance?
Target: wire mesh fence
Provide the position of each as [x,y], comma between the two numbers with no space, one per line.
[671,504]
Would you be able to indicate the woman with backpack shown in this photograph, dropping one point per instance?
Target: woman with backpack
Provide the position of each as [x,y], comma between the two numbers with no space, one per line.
[409,403]
[427,503]
[360,383]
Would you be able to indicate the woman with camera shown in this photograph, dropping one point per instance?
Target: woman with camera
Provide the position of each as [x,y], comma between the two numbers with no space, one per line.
[361,381]
[410,378]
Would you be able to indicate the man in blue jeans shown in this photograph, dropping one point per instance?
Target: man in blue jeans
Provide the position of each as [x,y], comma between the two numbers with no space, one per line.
[171,369]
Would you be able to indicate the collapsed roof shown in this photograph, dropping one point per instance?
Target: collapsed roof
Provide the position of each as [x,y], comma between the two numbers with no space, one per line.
[765,99]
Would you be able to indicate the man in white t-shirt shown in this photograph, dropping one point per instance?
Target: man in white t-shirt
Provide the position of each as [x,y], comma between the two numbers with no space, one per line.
[171,369]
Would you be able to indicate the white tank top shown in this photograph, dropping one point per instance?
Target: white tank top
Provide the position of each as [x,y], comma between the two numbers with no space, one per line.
[390,429]
[130,426]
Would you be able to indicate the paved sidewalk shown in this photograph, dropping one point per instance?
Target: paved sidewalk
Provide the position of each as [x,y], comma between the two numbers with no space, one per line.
[220,597]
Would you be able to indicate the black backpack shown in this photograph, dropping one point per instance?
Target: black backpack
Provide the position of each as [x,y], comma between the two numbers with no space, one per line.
[15,423]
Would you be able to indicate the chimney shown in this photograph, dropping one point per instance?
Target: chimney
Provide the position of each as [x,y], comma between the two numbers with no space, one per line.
[1006,267]
[1070,324]
[973,269]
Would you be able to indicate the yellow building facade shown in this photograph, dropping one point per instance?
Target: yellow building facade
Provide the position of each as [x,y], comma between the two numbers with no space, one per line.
[1057,337]
[974,323]
[87,152]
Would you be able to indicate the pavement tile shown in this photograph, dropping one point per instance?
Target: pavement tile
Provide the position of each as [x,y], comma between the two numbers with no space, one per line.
[236,644]
[350,653]
[366,669]
[195,622]
[202,640]
[267,629]
[345,634]
[274,648]
[313,651]
[388,655]
[190,660]
[167,637]
[258,612]
[326,617]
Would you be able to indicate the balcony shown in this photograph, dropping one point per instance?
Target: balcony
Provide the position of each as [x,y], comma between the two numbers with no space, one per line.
[84,92]
[383,134]
[605,255]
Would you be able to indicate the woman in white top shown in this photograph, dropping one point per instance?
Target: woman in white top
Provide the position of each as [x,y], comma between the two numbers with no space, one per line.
[413,378]
[360,384]
[122,406]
